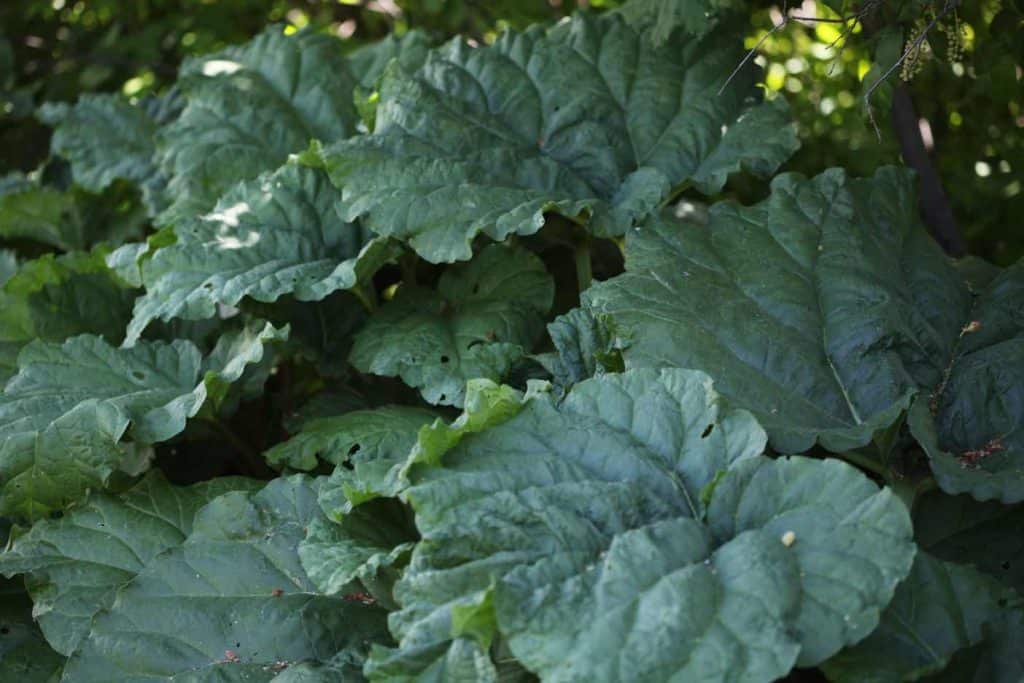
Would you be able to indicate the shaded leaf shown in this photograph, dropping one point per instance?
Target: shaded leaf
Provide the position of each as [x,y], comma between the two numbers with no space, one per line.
[484,316]
[821,309]
[937,610]
[62,417]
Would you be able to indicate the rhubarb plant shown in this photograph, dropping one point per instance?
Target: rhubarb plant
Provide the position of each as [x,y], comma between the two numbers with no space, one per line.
[411,364]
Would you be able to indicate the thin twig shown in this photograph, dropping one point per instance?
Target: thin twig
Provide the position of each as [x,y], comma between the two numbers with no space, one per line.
[786,17]
[753,51]
[916,44]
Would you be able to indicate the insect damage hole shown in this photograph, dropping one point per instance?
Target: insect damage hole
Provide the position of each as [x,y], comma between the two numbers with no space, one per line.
[707,431]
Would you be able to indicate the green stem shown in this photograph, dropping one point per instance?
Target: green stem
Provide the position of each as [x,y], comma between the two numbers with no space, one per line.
[367,296]
[584,272]
[675,193]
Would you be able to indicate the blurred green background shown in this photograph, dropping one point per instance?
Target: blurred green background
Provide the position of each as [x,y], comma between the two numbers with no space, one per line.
[967,90]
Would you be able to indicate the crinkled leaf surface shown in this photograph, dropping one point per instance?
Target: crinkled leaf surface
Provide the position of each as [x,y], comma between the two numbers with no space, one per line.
[972,425]
[368,446]
[985,535]
[587,520]
[660,17]
[365,548]
[279,234]
[409,50]
[107,138]
[248,108]
[939,609]
[588,119]
[63,415]
[56,297]
[821,309]
[484,316]
[584,346]
[230,604]
[74,565]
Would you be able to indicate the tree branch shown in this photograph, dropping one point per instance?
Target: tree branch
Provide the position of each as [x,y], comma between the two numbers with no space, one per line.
[935,208]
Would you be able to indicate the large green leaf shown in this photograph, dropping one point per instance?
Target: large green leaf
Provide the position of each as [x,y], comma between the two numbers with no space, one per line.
[821,309]
[62,417]
[232,603]
[279,234]
[56,297]
[939,609]
[972,425]
[248,108]
[74,565]
[107,138]
[586,120]
[633,533]
[484,316]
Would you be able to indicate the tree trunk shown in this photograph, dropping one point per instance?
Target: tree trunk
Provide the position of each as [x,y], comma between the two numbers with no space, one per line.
[935,208]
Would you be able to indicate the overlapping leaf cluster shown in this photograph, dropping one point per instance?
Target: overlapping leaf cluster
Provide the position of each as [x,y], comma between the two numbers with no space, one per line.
[787,435]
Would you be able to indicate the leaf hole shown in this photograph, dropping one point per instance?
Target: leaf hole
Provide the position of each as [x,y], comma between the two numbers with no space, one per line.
[707,431]
[355,449]
[441,397]
[139,375]
[1006,565]
[445,359]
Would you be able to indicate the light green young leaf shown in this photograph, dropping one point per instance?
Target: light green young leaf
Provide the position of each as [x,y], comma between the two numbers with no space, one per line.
[279,234]
[586,521]
[62,417]
[241,607]
[821,309]
[588,120]
[248,108]
[74,565]
[937,610]
[484,316]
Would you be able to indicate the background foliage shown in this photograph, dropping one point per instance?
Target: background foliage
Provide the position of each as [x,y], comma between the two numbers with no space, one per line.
[252,306]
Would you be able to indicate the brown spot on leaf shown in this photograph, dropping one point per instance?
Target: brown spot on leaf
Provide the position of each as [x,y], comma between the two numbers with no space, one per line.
[971,458]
